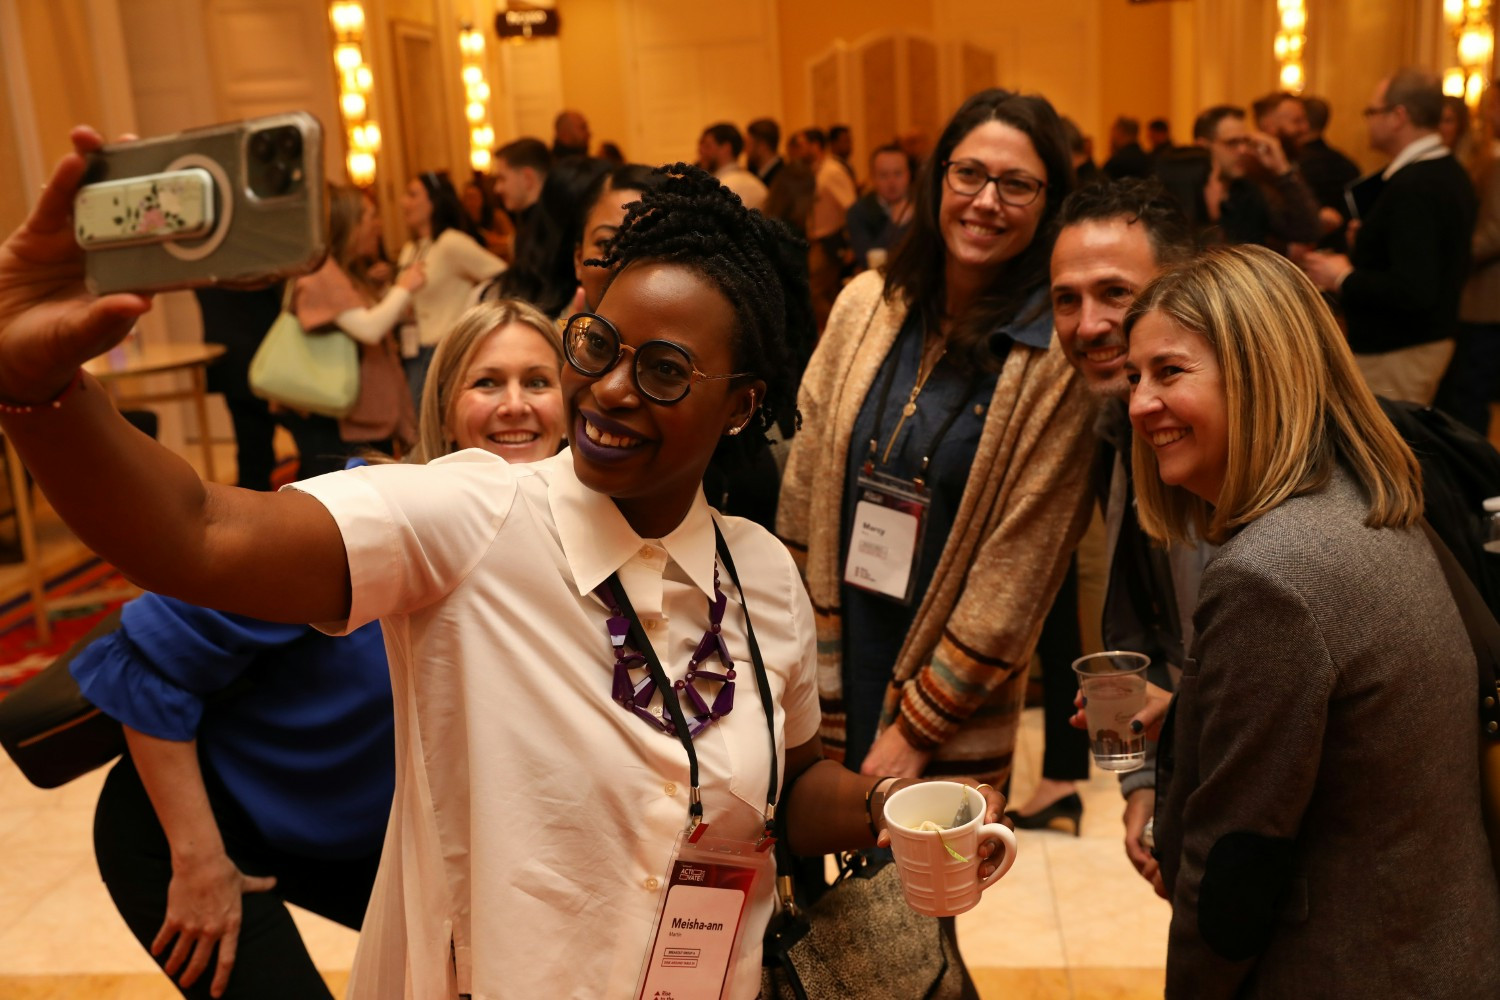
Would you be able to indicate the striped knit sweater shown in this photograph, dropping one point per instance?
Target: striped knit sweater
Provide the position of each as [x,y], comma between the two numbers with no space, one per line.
[959,679]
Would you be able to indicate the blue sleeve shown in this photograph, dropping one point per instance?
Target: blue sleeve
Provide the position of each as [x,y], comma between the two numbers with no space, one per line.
[154,673]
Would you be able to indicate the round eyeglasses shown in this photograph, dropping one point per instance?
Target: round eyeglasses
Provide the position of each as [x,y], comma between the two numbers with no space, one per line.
[663,371]
[968,178]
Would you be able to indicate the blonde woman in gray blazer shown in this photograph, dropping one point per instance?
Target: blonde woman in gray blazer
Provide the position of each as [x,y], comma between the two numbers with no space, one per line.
[1318,820]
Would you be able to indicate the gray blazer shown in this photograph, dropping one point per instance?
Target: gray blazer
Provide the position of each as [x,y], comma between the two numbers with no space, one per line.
[1318,819]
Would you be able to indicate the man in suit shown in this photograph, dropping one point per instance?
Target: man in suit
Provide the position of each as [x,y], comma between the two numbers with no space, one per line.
[1400,285]
[1126,157]
[762,139]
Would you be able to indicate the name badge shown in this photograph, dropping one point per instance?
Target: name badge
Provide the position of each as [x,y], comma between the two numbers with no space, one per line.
[710,883]
[890,517]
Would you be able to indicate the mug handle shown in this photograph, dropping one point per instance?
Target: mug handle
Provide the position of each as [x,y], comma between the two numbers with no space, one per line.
[1007,839]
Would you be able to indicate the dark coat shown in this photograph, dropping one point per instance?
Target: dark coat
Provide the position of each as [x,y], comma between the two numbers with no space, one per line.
[1411,259]
[1318,818]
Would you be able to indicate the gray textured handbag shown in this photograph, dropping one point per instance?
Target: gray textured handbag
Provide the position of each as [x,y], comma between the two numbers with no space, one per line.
[859,940]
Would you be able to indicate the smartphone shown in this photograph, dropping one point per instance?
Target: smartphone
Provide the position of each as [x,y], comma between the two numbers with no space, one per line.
[234,204]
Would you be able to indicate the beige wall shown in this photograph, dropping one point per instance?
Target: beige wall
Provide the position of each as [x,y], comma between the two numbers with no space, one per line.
[593,66]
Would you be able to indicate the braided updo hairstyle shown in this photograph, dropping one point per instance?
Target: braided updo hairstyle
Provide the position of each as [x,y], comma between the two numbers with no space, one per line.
[755,262]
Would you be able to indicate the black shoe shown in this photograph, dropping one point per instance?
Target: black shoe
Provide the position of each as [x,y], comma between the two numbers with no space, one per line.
[1069,807]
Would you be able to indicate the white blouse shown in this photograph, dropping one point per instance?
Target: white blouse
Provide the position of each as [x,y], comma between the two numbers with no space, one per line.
[455,264]
[534,817]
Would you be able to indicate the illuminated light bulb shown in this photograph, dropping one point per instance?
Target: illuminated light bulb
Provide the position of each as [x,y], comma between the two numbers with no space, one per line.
[1453,83]
[475,111]
[1474,46]
[1294,42]
[483,136]
[1291,76]
[473,75]
[347,57]
[372,137]
[1453,10]
[363,79]
[479,159]
[348,18]
[361,169]
[481,91]
[353,105]
[1475,90]
[1281,47]
[1293,18]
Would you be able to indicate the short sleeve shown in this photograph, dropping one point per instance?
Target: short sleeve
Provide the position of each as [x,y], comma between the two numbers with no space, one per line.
[804,713]
[412,533]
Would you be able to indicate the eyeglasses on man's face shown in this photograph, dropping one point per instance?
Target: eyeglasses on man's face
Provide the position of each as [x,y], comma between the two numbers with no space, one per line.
[663,371]
[969,177]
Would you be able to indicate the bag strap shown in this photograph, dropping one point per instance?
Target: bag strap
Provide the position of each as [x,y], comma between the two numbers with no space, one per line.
[1484,633]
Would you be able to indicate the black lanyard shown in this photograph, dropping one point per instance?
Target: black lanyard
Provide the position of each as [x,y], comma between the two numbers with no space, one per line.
[669,696]
[885,395]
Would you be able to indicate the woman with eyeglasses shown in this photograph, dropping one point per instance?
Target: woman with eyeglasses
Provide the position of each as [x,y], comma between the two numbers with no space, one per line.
[448,245]
[586,663]
[939,484]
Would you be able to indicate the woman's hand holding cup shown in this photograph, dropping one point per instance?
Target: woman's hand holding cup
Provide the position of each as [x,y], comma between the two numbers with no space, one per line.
[943,871]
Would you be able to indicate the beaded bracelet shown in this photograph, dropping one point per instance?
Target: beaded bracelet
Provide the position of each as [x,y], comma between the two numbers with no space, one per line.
[55,402]
[869,798]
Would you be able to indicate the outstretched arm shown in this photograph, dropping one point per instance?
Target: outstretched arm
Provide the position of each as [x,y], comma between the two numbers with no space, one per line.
[275,556]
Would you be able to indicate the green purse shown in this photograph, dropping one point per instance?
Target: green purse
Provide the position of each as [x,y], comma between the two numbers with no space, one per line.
[307,372]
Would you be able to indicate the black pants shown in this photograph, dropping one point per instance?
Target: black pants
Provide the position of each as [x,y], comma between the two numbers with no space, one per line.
[254,431]
[1065,757]
[135,861]
[319,447]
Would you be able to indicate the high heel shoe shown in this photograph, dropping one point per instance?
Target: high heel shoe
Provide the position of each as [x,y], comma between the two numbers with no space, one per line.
[1069,807]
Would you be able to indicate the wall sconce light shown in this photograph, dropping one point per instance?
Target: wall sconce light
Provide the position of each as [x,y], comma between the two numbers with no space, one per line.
[1291,38]
[355,83]
[476,97]
[1474,45]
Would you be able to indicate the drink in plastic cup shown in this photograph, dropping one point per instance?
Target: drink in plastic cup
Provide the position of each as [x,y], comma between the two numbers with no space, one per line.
[1114,689]
[875,258]
[935,882]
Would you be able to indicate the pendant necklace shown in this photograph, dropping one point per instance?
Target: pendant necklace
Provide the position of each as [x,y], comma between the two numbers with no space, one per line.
[924,372]
[634,697]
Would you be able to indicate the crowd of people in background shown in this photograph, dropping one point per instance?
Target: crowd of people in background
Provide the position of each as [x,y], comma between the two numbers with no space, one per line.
[985,331]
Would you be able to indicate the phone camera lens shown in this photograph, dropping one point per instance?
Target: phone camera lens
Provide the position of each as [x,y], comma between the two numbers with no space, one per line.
[278,177]
[261,146]
[290,142]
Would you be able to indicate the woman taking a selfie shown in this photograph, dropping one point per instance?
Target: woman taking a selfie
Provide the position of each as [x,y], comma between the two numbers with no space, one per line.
[260,755]
[1317,820]
[540,792]
[937,412]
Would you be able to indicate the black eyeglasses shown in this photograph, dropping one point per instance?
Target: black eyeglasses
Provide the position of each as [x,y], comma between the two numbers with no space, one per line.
[663,371]
[968,178]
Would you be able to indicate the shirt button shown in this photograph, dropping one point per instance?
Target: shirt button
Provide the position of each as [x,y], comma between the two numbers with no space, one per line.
[670,788]
[647,552]
[652,883]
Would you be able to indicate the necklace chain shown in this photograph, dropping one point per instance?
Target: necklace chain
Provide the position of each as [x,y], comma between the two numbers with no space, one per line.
[924,372]
[635,696]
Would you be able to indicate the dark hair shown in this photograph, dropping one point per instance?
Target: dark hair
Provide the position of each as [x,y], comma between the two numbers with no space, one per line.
[693,221]
[447,207]
[1129,126]
[1206,125]
[916,272]
[1265,105]
[1317,113]
[814,136]
[1136,200]
[1073,135]
[1460,111]
[837,132]
[526,152]
[766,130]
[486,218]
[724,133]
[630,177]
[542,273]
[1420,93]
[1158,125]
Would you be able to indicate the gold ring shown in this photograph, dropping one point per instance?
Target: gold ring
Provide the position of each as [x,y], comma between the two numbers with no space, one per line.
[984,785]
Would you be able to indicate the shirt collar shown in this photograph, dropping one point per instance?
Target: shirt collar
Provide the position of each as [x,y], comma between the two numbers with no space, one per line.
[597,540]
[1033,323]
[1429,147]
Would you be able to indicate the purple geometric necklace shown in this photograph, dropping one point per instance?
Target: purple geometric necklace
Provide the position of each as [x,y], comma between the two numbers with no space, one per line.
[634,696]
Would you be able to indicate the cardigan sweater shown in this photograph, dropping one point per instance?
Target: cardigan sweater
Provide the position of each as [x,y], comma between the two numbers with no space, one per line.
[959,679]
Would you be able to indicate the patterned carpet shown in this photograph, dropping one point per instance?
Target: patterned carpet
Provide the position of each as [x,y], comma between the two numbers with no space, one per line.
[21,654]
